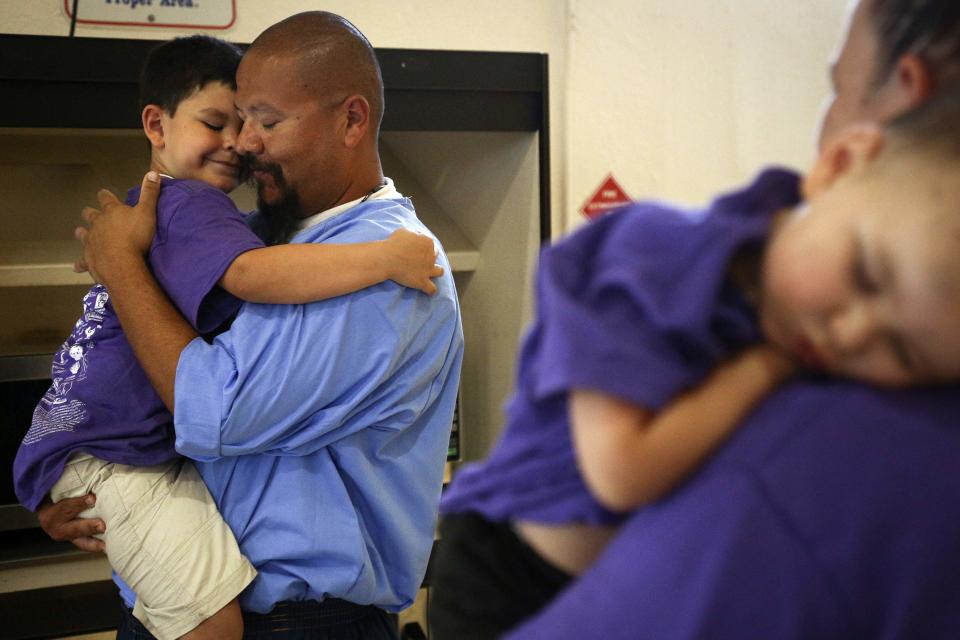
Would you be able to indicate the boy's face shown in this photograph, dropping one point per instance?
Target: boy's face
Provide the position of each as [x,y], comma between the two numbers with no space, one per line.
[856,281]
[199,141]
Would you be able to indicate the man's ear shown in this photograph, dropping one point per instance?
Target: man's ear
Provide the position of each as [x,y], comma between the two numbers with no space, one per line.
[909,84]
[846,152]
[357,110]
[152,119]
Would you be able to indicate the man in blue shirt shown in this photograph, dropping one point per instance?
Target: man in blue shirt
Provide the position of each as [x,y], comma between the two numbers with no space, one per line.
[320,429]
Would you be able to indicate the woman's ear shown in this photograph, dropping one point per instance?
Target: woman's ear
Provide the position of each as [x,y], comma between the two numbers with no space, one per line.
[846,152]
[909,84]
[152,119]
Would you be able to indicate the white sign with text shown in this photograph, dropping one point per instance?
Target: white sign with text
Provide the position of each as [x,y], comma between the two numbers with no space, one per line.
[197,14]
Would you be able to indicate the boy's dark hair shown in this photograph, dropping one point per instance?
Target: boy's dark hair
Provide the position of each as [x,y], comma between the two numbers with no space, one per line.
[928,28]
[175,69]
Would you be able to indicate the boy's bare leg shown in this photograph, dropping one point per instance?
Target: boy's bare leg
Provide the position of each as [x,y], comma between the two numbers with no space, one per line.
[226,624]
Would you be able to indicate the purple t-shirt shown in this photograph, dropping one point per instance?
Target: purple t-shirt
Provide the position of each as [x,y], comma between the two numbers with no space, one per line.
[832,513]
[100,400]
[636,304]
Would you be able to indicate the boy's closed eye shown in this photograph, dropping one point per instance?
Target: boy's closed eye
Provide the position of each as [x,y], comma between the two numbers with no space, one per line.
[863,279]
[902,354]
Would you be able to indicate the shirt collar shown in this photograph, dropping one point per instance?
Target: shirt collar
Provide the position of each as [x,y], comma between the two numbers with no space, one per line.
[386,192]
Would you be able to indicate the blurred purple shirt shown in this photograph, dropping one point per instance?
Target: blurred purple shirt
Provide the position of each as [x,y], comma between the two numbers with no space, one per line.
[636,304]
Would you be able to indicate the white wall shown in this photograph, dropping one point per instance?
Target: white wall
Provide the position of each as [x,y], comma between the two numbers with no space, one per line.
[682,98]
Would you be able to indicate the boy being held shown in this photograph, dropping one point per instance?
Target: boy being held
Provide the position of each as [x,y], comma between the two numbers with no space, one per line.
[658,330]
[101,427]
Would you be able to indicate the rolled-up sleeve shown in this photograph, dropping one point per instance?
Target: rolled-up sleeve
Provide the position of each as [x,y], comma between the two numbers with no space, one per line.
[202,374]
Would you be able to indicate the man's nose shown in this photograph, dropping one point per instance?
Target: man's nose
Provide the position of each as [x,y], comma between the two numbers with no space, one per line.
[853,327]
[248,141]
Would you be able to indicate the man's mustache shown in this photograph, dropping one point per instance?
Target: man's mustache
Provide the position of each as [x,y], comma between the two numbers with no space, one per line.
[249,164]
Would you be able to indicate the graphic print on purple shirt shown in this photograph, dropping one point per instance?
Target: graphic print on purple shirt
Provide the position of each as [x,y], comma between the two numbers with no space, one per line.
[57,410]
[100,400]
[636,304]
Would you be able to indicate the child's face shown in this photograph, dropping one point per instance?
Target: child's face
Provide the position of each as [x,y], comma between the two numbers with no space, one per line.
[199,141]
[857,282]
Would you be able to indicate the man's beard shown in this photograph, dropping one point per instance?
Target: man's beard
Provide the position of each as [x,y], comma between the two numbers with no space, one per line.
[280,220]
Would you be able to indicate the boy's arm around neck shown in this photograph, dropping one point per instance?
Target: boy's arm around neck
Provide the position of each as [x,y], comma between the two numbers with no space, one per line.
[301,273]
[630,456]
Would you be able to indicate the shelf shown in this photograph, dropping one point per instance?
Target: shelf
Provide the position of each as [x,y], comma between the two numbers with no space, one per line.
[60,611]
[57,133]
[463,261]
[463,256]
[59,274]
[23,367]
[36,320]
[15,517]
[34,263]
[40,275]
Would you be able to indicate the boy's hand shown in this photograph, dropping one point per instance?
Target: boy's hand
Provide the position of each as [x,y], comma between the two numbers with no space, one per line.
[60,522]
[116,232]
[775,364]
[411,260]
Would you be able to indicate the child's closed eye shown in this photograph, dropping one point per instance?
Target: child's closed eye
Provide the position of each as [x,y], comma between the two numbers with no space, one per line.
[865,281]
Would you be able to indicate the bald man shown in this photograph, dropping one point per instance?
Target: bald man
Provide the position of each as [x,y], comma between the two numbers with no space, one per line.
[321,430]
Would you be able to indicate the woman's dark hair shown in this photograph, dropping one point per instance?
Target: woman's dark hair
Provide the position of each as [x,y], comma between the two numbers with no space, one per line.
[931,127]
[928,28]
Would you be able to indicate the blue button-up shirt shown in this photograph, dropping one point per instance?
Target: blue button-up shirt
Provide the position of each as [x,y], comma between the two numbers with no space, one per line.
[321,429]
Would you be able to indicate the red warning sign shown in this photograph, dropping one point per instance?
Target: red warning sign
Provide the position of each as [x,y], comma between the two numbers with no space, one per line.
[609,196]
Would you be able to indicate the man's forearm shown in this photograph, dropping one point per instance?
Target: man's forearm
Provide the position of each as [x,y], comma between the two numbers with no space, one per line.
[152,325]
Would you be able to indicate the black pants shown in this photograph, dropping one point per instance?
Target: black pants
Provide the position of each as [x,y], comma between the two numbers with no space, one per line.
[331,619]
[485,580]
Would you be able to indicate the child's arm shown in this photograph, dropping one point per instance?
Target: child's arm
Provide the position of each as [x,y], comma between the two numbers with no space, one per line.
[300,273]
[630,456]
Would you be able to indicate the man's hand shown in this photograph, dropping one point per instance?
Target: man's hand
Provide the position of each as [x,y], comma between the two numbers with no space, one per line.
[61,523]
[116,232]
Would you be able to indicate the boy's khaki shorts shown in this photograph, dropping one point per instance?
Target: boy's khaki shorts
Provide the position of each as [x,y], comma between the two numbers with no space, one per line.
[164,537]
